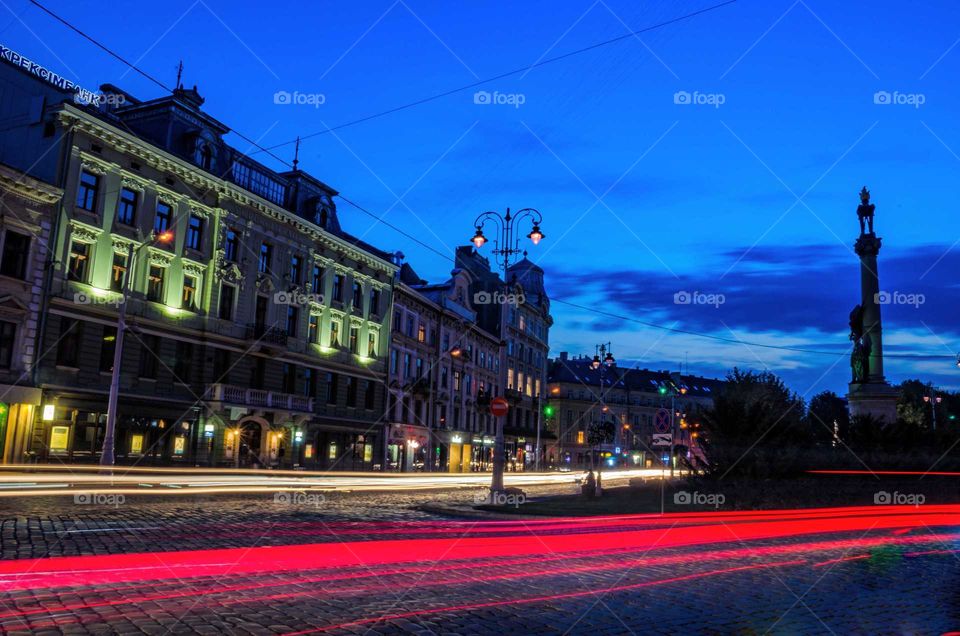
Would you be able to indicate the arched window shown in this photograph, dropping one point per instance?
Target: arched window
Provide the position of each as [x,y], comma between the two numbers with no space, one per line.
[205,156]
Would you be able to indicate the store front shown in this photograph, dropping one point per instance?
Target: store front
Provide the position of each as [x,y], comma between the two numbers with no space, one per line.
[408,448]
[17,414]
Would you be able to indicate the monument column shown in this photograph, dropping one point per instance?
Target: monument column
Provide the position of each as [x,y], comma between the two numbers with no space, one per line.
[867,247]
[869,394]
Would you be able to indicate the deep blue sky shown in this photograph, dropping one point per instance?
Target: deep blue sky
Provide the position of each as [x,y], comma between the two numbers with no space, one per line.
[694,197]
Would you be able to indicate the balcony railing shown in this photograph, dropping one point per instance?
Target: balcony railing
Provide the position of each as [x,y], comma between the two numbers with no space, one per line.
[243,396]
[267,335]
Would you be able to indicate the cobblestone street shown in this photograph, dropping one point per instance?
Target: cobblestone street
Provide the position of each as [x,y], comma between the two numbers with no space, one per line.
[374,563]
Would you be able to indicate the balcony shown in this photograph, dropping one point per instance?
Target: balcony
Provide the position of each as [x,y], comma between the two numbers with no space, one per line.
[267,335]
[258,398]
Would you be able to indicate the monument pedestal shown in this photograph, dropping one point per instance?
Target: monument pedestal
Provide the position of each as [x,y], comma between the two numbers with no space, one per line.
[877,399]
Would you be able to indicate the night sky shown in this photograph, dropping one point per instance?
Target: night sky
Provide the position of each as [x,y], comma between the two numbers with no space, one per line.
[747,195]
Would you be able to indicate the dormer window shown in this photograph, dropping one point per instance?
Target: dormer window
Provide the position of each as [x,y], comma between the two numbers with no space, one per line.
[204,156]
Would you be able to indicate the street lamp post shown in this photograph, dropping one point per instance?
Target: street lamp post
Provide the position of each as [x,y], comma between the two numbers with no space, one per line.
[107,456]
[506,247]
[602,361]
[933,399]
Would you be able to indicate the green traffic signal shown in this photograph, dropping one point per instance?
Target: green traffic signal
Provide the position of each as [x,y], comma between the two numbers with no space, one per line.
[548,410]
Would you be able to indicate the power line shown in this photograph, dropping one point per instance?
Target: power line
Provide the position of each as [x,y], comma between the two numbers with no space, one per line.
[506,74]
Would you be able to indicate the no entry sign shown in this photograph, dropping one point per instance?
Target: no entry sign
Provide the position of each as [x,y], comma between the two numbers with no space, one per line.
[499,406]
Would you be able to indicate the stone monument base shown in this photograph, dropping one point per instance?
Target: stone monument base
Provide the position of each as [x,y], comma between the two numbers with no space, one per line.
[878,399]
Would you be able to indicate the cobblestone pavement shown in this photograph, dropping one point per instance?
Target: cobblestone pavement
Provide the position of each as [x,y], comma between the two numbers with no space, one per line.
[250,565]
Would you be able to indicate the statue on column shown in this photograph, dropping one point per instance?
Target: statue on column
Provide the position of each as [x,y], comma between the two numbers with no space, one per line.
[865,211]
[860,356]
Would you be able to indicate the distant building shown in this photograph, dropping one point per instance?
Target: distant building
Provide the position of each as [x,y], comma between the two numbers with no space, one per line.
[526,335]
[632,399]
[441,365]
[258,334]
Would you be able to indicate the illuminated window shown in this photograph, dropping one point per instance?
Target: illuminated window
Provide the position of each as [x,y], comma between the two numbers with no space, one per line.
[580,437]
[119,272]
[189,292]
[79,262]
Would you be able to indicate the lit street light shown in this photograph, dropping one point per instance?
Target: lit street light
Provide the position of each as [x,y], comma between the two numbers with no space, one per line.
[507,247]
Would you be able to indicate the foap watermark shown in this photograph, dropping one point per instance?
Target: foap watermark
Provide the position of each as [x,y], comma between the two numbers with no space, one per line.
[100,99]
[296,98]
[500,99]
[685,98]
[83,298]
[502,498]
[686,498]
[885,98]
[299,498]
[498,298]
[296,298]
[99,499]
[899,298]
[895,498]
[698,298]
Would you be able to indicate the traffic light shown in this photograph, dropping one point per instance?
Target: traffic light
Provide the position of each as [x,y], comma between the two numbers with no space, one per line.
[548,410]
[662,390]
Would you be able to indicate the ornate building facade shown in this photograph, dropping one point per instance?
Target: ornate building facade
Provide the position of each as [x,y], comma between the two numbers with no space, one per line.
[257,327]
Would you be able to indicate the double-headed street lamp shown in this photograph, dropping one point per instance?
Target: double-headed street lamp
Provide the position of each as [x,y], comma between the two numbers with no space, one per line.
[933,399]
[107,456]
[506,247]
[602,361]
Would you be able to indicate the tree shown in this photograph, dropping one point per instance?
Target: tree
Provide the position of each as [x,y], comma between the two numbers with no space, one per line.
[828,413]
[598,433]
[755,427]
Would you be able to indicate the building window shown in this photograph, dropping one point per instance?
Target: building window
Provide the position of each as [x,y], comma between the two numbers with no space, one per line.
[293,317]
[334,333]
[580,437]
[16,250]
[79,262]
[397,321]
[155,284]
[351,391]
[258,373]
[332,388]
[8,336]
[316,283]
[225,310]
[183,363]
[309,382]
[394,361]
[419,367]
[357,296]
[189,292]
[108,346]
[195,233]
[456,380]
[338,287]
[119,272]
[422,333]
[374,300]
[313,330]
[372,344]
[443,377]
[87,191]
[127,206]
[354,340]
[68,346]
[289,377]
[296,269]
[406,366]
[221,366]
[231,245]
[149,355]
[161,222]
[266,255]
[370,395]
